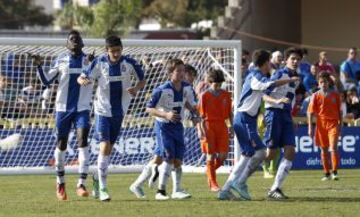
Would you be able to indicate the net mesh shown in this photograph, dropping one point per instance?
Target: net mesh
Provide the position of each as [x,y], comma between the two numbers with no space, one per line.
[27,107]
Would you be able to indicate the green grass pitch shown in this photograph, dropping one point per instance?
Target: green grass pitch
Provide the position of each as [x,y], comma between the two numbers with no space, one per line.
[34,195]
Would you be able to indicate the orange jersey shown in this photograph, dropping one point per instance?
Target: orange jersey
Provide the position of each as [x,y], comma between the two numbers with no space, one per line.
[325,107]
[215,108]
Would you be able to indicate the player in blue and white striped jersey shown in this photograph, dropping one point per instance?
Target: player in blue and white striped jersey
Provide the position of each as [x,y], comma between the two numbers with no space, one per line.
[252,148]
[167,104]
[279,125]
[114,73]
[72,108]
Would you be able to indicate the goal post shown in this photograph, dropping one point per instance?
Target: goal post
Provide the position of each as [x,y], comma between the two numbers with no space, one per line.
[27,107]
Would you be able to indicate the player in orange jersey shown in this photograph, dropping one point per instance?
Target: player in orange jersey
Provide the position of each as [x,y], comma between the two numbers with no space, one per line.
[325,105]
[215,108]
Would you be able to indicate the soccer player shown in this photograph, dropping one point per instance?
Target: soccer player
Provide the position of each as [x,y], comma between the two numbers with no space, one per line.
[279,126]
[325,105]
[72,109]
[245,125]
[167,105]
[215,108]
[113,71]
[150,171]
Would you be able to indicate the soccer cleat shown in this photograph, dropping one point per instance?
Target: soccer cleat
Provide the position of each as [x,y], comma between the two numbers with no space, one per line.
[138,191]
[81,191]
[104,195]
[226,195]
[161,195]
[242,190]
[60,191]
[154,176]
[277,194]
[180,195]
[215,188]
[95,190]
[268,175]
[326,178]
[334,177]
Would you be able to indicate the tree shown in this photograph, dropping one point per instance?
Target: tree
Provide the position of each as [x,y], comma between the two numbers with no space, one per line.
[183,13]
[16,14]
[115,17]
[73,15]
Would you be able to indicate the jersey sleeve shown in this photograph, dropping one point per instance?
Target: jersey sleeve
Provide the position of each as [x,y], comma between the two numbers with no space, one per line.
[137,68]
[202,105]
[313,108]
[50,76]
[261,83]
[92,70]
[190,96]
[155,98]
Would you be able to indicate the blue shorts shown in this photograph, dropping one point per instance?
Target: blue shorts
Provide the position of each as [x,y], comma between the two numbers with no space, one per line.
[245,128]
[65,120]
[108,128]
[169,141]
[279,128]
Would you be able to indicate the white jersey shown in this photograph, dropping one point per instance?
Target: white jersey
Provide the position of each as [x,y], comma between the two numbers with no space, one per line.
[166,98]
[112,97]
[70,96]
[255,86]
[287,90]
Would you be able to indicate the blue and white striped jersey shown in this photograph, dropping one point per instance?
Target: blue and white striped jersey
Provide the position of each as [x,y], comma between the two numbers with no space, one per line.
[112,97]
[70,96]
[287,90]
[255,86]
[166,98]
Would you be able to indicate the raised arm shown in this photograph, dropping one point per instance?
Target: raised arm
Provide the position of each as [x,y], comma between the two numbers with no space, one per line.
[50,76]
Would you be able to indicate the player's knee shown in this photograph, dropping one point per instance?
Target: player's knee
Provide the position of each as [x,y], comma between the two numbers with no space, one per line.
[177,163]
[289,153]
[158,160]
[210,157]
[82,137]
[62,143]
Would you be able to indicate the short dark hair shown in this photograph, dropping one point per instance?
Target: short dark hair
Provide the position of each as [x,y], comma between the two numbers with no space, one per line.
[293,50]
[324,75]
[215,76]
[190,69]
[260,57]
[73,32]
[172,64]
[113,41]
[305,51]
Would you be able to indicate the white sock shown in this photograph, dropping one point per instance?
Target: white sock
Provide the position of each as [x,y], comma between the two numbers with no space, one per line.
[252,165]
[60,165]
[236,172]
[282,173]
[103,162]
[83,158]
[176,175]
[164,173]
[144,175]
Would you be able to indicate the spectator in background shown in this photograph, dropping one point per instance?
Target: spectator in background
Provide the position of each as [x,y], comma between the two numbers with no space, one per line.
[350,69]
[244,68]
[324,64]
[309,80]
[3,84]
[352,104]
[276,60]
[304,66]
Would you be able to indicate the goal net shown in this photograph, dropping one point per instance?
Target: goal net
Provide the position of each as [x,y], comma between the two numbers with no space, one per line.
[27,127]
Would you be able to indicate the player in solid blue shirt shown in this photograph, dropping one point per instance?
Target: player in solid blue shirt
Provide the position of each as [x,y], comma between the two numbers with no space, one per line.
[167,105]
[114,73]
[252,148]
[279,125]
[72,108]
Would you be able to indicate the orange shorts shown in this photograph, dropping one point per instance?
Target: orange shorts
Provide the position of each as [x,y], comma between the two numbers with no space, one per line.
[217,138]
[326,133]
